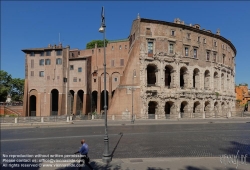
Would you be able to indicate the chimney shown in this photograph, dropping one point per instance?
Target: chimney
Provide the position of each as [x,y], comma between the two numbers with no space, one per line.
[218,32]
[49,45]
[138,16]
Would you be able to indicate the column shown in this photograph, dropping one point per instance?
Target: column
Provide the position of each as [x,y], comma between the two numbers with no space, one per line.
[74,104]
[99,96]
[38,104]
[110,90]
[59,104]
[28,109]
[48,107]
[84,108]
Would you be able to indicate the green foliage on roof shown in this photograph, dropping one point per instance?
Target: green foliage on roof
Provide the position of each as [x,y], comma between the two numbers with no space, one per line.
[91,44]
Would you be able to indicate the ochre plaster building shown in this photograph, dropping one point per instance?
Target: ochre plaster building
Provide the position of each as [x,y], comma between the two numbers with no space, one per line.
[163,69]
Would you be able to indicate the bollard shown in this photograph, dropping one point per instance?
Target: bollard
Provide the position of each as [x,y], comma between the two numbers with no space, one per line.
[67,118]
[42,119]
[70,118]
[113,117]
[204,115]
[156,117]
[93,117]
[15,120]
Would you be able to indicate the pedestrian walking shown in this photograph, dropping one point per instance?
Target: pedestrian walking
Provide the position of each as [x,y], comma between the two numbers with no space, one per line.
[84,152]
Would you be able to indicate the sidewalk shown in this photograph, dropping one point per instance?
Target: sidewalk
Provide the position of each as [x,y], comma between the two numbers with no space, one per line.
[100,122]
[184,163]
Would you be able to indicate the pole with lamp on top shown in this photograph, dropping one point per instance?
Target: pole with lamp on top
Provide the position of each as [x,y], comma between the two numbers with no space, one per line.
[106,156]
[134,76]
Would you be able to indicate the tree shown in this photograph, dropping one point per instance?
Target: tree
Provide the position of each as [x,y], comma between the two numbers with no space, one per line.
[17,89]
[99,43]
[10,86]
[5,85]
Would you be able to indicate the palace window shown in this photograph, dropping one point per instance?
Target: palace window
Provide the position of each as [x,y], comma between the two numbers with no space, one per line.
[48,53]
[150,48]
[215,43]
[47,62]
[122,62]
[58,61]
[32,54]
[172,32]
[208,55]
[32,63]
[79,69]
[59,52]
[171,48]
[75,79]
[198,39]
[214,56]
[186,51]
[71,67]
[195,53]
[41,62]
[42,53]
[41,73]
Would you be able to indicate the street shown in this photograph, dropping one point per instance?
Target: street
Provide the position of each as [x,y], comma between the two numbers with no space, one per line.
[134,141]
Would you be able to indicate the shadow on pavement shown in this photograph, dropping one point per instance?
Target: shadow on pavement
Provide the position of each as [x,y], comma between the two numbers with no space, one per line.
[239,151]
[203,168]
[112,154]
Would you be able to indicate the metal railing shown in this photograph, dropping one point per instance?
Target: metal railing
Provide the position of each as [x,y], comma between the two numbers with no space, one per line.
[67,118]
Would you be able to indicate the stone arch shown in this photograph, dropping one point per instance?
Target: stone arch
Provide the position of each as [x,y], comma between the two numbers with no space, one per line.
[184,109]
[32,105]
[169,105]
[151,74]
[168,76]
[71,99]
[94,95]
[33,102]
[79,102]
[207,80]
[183,77]
[54,102]
[196,78]
[197,107]
[207,106]
[102,99]
[216,109]
[152,107]
[216,81]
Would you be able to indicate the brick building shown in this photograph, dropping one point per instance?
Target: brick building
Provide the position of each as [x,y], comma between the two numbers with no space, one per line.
[168,69]
[242,95]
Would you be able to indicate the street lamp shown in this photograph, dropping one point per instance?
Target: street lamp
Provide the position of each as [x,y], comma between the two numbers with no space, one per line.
[134,75]
[106,156]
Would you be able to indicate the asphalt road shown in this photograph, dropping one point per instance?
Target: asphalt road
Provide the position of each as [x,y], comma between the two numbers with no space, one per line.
[134,141]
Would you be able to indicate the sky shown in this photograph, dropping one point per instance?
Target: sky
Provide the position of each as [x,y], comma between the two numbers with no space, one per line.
[29,24]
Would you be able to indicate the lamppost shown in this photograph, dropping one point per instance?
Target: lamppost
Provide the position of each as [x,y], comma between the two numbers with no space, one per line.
[106,156]
[134,75]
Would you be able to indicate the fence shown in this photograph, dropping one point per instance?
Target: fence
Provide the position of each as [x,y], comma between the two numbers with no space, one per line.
[66,118]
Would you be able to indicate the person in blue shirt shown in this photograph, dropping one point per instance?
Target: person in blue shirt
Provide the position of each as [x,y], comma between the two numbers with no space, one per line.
[84,152]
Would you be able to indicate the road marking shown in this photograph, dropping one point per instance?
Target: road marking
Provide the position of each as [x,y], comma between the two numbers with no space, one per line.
[147,133]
